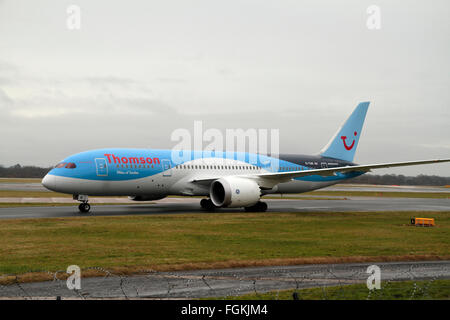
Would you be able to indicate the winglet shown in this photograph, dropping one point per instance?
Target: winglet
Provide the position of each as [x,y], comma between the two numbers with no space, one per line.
[344,143]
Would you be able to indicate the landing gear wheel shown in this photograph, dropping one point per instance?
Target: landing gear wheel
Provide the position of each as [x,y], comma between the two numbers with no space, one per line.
[84,207]
[203,203]
[263,206]
[257,207]
[207,204]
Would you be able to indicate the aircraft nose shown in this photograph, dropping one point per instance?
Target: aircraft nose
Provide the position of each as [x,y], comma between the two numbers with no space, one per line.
[49,181]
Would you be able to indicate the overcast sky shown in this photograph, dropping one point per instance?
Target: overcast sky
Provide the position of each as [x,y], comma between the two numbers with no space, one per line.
[138,70]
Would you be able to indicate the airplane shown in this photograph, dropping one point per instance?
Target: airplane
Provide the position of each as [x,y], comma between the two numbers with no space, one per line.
[225,179]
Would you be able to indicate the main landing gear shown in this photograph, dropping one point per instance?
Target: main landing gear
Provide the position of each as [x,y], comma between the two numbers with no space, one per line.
[84,206]
[260,206]
[257,207]
[207,204]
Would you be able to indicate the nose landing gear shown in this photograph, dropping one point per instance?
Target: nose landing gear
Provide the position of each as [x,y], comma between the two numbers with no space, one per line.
[84,206]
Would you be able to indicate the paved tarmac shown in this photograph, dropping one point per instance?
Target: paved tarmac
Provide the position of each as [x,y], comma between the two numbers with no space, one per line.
[21,186]
[228,282]
[191,205]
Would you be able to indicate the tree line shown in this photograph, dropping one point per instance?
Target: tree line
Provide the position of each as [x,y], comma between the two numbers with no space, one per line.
[401,180]
[18,171]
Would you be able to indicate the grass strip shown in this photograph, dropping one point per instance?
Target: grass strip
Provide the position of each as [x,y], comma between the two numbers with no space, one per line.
[134,243]
[394,290]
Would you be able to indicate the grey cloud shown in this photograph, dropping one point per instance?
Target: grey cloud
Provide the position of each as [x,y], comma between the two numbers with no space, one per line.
[171,80]
[4,99]
[134,74]
[110,80]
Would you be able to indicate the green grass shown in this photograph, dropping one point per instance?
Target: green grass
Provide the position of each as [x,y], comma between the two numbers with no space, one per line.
[399,290]
[167,242]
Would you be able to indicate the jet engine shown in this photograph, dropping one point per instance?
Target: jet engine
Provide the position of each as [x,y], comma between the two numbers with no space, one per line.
[234,192]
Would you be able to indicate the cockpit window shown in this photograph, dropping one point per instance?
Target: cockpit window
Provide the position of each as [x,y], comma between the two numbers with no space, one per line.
[71,165]
[60,165]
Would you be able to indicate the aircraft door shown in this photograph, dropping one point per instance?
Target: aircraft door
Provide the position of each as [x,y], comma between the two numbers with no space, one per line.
[101,167]
[167,168]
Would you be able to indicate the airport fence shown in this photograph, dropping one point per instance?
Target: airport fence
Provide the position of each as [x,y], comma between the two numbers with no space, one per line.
[294,282]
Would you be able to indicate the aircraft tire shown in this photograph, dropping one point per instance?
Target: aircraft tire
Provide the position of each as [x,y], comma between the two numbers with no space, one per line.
[84,207]
[257,207]
[207,204]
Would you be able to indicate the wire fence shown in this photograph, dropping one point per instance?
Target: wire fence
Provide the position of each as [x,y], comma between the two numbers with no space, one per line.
[397,281]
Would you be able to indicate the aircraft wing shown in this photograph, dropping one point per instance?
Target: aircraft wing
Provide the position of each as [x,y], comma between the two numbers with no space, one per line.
[270,179]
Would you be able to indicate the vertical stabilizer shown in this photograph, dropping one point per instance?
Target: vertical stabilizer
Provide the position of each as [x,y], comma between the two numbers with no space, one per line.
[344,143]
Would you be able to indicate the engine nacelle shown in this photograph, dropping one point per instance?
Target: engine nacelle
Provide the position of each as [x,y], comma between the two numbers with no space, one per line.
[146,198]
[234,192]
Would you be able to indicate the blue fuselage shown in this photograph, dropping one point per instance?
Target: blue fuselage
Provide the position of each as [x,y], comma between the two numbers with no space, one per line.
[158,173]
